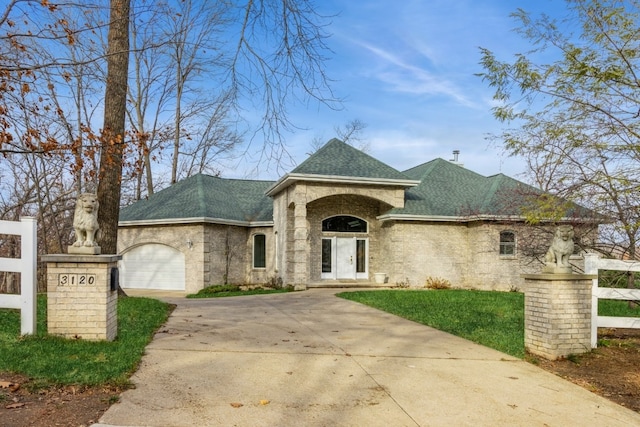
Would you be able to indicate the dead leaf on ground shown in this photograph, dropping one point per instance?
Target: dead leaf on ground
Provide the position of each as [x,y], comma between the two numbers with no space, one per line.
[14,405]
[264,402]
[9,385]
[237,405]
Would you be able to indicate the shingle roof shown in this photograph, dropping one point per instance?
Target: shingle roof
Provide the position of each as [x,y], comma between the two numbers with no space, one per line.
[204,196]
[447,189]
[337,158]
[444,190]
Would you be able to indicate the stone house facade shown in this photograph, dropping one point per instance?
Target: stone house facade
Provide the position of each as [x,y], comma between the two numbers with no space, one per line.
[341,218]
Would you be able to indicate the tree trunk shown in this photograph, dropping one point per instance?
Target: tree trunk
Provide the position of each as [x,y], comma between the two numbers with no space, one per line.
[113,132]
[177,124]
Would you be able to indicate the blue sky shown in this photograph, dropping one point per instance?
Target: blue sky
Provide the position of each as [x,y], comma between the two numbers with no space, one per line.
[406,69]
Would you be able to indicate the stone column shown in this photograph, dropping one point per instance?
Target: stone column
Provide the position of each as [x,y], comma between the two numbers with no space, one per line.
[82,296]
[300,244]
[557,314]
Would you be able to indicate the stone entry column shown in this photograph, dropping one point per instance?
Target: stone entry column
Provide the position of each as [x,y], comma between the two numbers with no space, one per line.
[557,314]
[300,244]
[82,296]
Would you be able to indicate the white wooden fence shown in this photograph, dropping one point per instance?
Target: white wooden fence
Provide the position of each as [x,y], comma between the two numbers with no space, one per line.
[593,263]
[26,265]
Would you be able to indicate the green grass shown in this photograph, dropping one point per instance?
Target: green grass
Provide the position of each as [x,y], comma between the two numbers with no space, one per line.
[493,319]
[218,291]
[49,360]
[617,308]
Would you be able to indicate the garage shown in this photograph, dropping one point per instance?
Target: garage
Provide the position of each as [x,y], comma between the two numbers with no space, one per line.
[153,266]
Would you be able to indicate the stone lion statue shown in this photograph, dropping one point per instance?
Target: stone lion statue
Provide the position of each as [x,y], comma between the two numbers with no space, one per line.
[85,220]
[561,247]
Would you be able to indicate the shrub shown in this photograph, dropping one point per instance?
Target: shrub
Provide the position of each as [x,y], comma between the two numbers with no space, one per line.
[220,288]
[437,283]
[404,284]
[274,282]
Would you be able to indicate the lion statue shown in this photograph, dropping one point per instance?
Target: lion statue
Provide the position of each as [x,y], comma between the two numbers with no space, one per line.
[561,248]
[85,220]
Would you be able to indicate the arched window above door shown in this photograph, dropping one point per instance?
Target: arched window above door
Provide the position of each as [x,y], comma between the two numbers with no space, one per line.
[344,224]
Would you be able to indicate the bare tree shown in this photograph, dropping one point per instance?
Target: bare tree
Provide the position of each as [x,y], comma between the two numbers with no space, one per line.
[193,32]
[149,91]
[279,58]
[269,55]
[350,132]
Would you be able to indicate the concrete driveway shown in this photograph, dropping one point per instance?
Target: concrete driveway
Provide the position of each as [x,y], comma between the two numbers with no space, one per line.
[312,359]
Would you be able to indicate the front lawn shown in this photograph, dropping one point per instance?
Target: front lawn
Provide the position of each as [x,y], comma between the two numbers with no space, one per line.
[493,319]
[54,360]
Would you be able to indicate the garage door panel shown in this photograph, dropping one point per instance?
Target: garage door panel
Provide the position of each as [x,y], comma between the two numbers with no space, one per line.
[153,266]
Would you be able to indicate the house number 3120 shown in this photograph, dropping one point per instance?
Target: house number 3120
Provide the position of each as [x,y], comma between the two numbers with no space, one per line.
[76,279]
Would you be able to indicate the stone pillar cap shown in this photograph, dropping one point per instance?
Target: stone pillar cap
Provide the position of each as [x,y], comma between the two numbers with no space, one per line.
[81,258]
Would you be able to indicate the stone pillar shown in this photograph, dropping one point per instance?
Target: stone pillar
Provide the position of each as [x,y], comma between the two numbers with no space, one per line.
[82,296]
[300,246]
[557,314]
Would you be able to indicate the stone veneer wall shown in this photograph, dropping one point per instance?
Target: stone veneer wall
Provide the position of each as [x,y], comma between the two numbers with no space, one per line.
[261,275]
[465,254]
[492,271]
[415,251]
[226,254]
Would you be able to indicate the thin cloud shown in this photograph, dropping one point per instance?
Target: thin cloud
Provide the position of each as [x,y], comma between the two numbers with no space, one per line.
[408,78]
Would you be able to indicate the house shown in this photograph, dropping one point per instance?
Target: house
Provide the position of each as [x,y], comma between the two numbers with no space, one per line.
[340,217]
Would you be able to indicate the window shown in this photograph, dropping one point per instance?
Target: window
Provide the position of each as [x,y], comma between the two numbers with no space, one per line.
[259,251]
[326,255]
[344,224]
[361,256]
[507,243]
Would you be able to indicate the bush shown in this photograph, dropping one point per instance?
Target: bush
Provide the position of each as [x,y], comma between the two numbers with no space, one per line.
[274,282]
[437,283]
[220,288]
[404,284]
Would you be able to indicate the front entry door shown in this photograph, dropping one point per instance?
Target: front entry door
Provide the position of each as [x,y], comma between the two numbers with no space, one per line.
[344,258]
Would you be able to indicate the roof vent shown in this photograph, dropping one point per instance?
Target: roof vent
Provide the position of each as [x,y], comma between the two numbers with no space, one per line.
[455,161]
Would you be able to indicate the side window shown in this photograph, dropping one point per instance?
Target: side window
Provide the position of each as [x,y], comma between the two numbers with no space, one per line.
[507,243]
[259,251]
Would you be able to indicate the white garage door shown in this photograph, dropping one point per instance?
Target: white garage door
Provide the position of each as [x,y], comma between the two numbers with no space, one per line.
[152,266]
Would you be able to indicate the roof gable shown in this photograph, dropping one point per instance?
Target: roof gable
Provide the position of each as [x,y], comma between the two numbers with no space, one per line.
[337,158]
[338,162]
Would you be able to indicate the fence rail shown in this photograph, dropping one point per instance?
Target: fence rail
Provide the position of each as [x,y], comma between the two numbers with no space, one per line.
[593,263]
[26,266]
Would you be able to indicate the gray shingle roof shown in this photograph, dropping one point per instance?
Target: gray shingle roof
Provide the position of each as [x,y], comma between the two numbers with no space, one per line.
[447,189]
[337,158]
[444,190]
[204,196]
